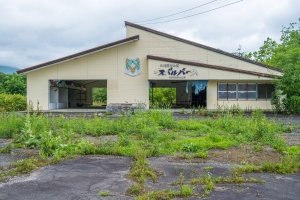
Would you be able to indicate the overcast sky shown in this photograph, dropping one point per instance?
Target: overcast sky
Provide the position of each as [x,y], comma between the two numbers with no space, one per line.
[35,31]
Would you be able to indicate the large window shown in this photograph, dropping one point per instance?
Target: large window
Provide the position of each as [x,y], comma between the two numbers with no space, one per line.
[265,91]
[244,91]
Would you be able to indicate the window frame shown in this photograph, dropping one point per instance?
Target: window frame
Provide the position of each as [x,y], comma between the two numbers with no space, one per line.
[237,91]
[266,95]
[227,91]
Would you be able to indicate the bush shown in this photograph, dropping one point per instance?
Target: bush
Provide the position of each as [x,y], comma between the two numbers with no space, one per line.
[162,97]
[292,104]
[12,83]
[12,102]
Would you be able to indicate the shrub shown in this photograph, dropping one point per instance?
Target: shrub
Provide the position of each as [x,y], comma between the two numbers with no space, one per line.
[292,104]
[189,147]
[12,102]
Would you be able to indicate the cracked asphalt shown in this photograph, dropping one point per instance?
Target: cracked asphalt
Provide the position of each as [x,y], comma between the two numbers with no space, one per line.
[274,186]
[84,177]
[78,179]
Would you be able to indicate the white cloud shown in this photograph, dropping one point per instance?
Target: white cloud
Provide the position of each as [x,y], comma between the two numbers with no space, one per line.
[34,31]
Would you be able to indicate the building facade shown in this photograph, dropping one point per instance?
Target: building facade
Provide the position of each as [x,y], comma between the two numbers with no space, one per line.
[147,59]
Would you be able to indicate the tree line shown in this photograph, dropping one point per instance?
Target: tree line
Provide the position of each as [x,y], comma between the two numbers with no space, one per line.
[285,55]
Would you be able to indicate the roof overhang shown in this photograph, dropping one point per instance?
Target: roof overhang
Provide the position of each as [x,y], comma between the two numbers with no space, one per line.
[197,64]
[80,54]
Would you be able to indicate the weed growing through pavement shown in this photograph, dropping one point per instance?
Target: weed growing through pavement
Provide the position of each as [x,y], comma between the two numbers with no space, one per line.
[104,193]
[24,166]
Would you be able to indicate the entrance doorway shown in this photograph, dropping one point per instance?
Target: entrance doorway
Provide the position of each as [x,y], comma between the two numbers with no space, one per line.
[183,94]
[199,100]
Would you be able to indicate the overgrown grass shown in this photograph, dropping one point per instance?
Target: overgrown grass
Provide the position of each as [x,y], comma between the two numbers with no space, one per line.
[146,134]
[289,164]
[10,124]
[156,131]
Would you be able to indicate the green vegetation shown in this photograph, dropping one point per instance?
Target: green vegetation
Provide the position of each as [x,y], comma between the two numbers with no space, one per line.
[145,134]
[140,172]
[209,182]
[289,164]
[104,193]
[184,191]
[12,102]
[12,91]
[285,55]
[12,84]
[99,96]
[24,166]
[162,97]
[10,124]
[155,131]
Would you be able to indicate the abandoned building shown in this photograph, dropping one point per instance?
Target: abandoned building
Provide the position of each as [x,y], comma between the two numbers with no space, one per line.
[147,59]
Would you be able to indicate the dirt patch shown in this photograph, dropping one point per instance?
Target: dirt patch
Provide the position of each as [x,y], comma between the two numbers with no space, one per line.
[4,142]
[7,159]
[292,138]
[245,154]
[25,152]
[108,138]
[102,139]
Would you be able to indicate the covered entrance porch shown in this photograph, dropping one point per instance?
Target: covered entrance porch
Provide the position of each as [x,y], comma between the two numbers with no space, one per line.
[178,93]
[77,95]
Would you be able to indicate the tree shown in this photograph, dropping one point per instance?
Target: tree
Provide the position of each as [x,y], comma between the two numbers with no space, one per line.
[286,55]
[265,52]
[12,84]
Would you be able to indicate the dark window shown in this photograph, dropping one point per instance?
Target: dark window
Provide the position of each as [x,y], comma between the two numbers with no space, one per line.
[265,91]
[222,86]
[223,95]
[247,91]
[222,91]
[252,95]
[227,91]
[231,90]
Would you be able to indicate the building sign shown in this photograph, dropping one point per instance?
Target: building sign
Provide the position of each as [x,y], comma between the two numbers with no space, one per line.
[133,67]
[174,71]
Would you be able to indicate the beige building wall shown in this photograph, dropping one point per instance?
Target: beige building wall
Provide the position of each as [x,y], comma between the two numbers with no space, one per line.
[105,65]
[109,64]
[153,44]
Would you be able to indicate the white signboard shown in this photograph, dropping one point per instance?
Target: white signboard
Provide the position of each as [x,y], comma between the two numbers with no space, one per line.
[174,71]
